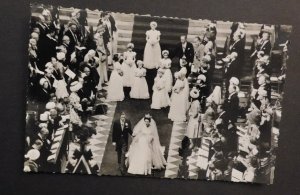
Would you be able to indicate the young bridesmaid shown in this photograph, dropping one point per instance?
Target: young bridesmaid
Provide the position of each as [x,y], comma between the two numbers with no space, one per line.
[160,97]
[178,105]
[139,88]
[165,63]
[129,65]
[115,85]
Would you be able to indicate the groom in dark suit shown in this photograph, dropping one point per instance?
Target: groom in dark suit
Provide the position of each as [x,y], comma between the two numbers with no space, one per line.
[121,131]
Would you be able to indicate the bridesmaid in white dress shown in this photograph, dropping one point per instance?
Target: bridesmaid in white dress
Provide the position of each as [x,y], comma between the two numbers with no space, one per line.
[128,65]
[115,85]
[152,52]
[165,63]
[178,105]
[139,89]
[160,97]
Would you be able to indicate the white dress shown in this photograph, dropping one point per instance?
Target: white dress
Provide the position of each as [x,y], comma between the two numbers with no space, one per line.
[193,124]
[178,105]
[152,52]
[160,97]
[139,154]
[115,85]
[139,88]
[128,67]
[166,65]
[145,150]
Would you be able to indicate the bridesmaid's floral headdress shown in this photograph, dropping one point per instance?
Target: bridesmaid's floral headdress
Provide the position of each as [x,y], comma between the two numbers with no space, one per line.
[148,116]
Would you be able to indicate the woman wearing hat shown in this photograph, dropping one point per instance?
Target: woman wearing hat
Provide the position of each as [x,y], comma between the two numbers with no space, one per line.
[139,89]
[128,66]
[178,105]
[152,53]
[115,85]
[160,97]
[165,63]
[194,111]
[44,94]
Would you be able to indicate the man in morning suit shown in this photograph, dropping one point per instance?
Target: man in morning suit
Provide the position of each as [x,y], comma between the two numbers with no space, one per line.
[121,131]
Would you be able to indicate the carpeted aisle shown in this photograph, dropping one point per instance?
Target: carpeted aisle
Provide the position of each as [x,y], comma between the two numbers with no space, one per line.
[135,110]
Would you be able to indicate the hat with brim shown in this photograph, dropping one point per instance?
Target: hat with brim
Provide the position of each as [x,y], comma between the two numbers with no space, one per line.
[201,77]
[50,105]
[60,56]
[194,93]
[33,154]
[75,86]
[44,117]
[42,81]
[234,81]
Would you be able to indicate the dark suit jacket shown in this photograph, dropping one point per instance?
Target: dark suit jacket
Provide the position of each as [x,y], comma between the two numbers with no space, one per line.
[119,135]
[238,47]
[266,48]
[113,24]
[73,40]
[189,52]
[231,107]
[233,70]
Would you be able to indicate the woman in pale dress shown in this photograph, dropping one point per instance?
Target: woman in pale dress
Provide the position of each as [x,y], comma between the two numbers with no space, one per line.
[128,66]
[152,52]
[165,63]
[102,55]
[115,85]
[178,105]
[160,97]
[139,89]
[192,130]
[145,150]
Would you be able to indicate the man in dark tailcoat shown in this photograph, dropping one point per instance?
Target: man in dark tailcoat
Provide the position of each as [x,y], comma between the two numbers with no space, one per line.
[231,104]
[185,48]
[121,131]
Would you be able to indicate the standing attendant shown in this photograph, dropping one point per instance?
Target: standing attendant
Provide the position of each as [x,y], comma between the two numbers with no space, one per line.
[128,66]
[194,111]
[152,49]
[165,63]
[115,85]
[178,105]
[121,131]
[139,89]
[152,54]
[160,97]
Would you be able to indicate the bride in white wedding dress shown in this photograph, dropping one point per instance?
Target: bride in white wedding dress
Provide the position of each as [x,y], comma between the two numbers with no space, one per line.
[145,150]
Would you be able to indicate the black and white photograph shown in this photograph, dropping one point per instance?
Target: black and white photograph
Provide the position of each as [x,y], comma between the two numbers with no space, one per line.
[132,95]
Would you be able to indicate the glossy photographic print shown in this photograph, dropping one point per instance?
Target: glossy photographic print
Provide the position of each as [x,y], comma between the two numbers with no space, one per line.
[123,94]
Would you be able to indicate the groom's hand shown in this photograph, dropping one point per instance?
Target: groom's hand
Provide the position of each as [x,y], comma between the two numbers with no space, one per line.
[114,143]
